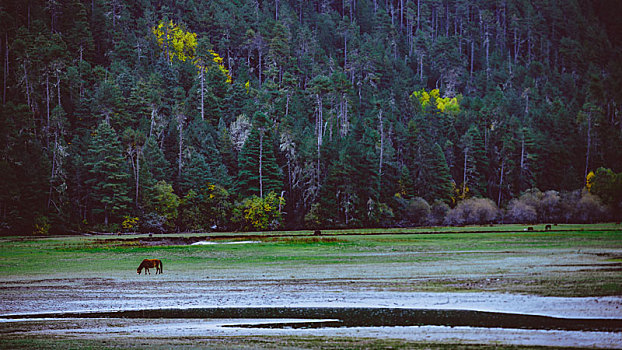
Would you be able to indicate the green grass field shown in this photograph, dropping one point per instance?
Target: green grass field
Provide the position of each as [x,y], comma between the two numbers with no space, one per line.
[571,260]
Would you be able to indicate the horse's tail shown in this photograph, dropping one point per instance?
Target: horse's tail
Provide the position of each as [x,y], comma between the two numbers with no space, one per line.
[160,261]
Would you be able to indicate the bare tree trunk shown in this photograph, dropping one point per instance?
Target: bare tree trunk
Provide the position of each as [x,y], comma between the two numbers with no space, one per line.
[435,20]
[27,85]
[345,117]
[418,15]
[281,201]
[522,154]
[288,97]
[500,182]
[180,127]
[516,45]
[509,62]
[47,99]
[320,135]
[345,50]
[53,172]
[464,175]
[138,152]
[381,150]
[421,67]
[487,43]
[202,93]
[135,168]
[589,139]
[154,112]
[6,66]
[472,57]
[447,20]
[260,163]
[529,45]
[58,85]
[401,14]
[259,52]
[168,59]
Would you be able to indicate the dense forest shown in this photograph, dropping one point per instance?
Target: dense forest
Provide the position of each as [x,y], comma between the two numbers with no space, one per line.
[159,116]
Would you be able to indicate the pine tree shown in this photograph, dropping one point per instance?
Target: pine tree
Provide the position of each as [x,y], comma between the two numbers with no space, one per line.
[259,174]
[474,163]
[155,162]
[441,183]
[108,174]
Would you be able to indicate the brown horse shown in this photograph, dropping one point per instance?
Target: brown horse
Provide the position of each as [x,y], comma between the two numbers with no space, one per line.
[149,263]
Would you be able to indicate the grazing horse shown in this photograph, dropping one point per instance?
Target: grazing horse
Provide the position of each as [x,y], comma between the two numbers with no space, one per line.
[149,263]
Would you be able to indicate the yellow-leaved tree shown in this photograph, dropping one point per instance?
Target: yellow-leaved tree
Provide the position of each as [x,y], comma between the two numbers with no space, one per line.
[180,43]
[175,41]
[589,180]
[449,105]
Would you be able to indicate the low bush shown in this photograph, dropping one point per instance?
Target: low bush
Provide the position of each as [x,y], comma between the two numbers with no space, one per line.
[473,211]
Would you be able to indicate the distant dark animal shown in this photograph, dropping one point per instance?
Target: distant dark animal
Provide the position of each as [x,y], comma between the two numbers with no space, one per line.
[547,228]
[150,263]
[317,233]
[529,228]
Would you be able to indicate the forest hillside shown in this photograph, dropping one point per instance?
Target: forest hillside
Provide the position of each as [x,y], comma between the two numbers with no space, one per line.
[159,116]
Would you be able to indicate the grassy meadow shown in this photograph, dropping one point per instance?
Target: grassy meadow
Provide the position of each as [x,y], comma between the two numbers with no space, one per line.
[570,260]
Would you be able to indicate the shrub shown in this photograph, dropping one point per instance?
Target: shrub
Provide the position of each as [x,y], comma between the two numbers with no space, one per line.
[417,210]
[550,206]
[162,202]
[313,218]
[412,212]
[473,211]
[129,223]
[607,185]
[204,209]
[152,222]
[42,225]
[520,211]
[438,212]
[379,214]
[261,213]
[589,208]
[535,206]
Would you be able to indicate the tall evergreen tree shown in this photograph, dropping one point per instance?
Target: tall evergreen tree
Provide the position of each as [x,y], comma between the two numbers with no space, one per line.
[259,174]
[109,192]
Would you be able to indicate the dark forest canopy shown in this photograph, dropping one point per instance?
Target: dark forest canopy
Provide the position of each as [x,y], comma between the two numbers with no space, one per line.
[202,115]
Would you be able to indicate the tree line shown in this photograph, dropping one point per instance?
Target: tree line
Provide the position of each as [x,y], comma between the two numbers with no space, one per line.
[252,115]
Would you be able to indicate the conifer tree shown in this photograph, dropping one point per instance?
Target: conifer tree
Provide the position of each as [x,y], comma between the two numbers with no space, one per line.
[259,174]
[440,184]
[109,192]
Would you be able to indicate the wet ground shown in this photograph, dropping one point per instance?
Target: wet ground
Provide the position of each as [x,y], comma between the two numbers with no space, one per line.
[151,308]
